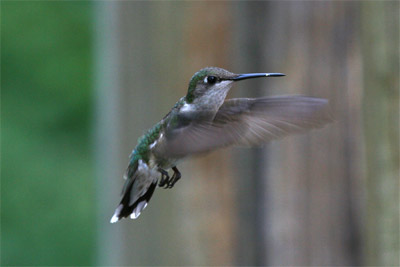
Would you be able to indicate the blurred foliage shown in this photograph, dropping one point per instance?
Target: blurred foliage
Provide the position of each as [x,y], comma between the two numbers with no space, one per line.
[47,189]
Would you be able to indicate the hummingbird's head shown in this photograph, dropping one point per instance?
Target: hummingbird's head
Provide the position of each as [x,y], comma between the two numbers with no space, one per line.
[212,83]
[209,82]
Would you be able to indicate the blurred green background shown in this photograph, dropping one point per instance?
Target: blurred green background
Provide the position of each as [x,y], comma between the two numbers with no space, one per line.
[47,185]
[81,81]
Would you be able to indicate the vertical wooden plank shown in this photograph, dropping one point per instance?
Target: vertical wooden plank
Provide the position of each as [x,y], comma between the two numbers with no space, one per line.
[107,130]
[248,55]
[311,192]
[208,185]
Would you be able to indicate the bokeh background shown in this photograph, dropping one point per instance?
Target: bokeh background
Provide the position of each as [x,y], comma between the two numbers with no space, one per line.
[81,81]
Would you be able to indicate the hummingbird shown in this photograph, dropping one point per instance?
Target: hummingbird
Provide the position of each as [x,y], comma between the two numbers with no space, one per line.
[203,121]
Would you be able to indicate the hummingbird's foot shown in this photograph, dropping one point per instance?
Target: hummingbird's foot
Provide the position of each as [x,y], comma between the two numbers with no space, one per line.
[166,181]
[175,177]
[164,178]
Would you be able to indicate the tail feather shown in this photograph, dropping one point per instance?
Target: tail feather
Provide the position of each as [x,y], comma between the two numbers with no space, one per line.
[133,211]
[138,189]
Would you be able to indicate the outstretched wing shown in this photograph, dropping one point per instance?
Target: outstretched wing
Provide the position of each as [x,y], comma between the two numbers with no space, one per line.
[248,121]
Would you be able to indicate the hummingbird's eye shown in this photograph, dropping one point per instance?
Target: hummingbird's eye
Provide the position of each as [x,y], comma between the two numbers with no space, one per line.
[211,79]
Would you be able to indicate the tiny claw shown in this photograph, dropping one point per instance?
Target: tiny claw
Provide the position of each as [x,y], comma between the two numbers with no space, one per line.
[175,177]
[167,182]
[164,178]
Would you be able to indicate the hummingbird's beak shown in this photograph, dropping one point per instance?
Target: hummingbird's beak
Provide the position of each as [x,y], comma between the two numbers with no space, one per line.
[256,75]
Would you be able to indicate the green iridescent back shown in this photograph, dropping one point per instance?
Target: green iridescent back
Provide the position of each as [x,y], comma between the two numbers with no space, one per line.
[141,151]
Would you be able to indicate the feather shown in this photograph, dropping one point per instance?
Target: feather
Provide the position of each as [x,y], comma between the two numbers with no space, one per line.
[248,122]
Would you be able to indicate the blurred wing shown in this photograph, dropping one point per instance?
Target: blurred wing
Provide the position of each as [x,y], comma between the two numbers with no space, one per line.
[263,119]
[249,121]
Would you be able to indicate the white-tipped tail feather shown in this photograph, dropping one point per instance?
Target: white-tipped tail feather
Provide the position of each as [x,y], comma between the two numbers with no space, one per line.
[115,218]
[139,187]
[136,212]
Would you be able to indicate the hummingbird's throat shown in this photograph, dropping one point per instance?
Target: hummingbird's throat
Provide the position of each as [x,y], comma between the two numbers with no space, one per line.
[213,98]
